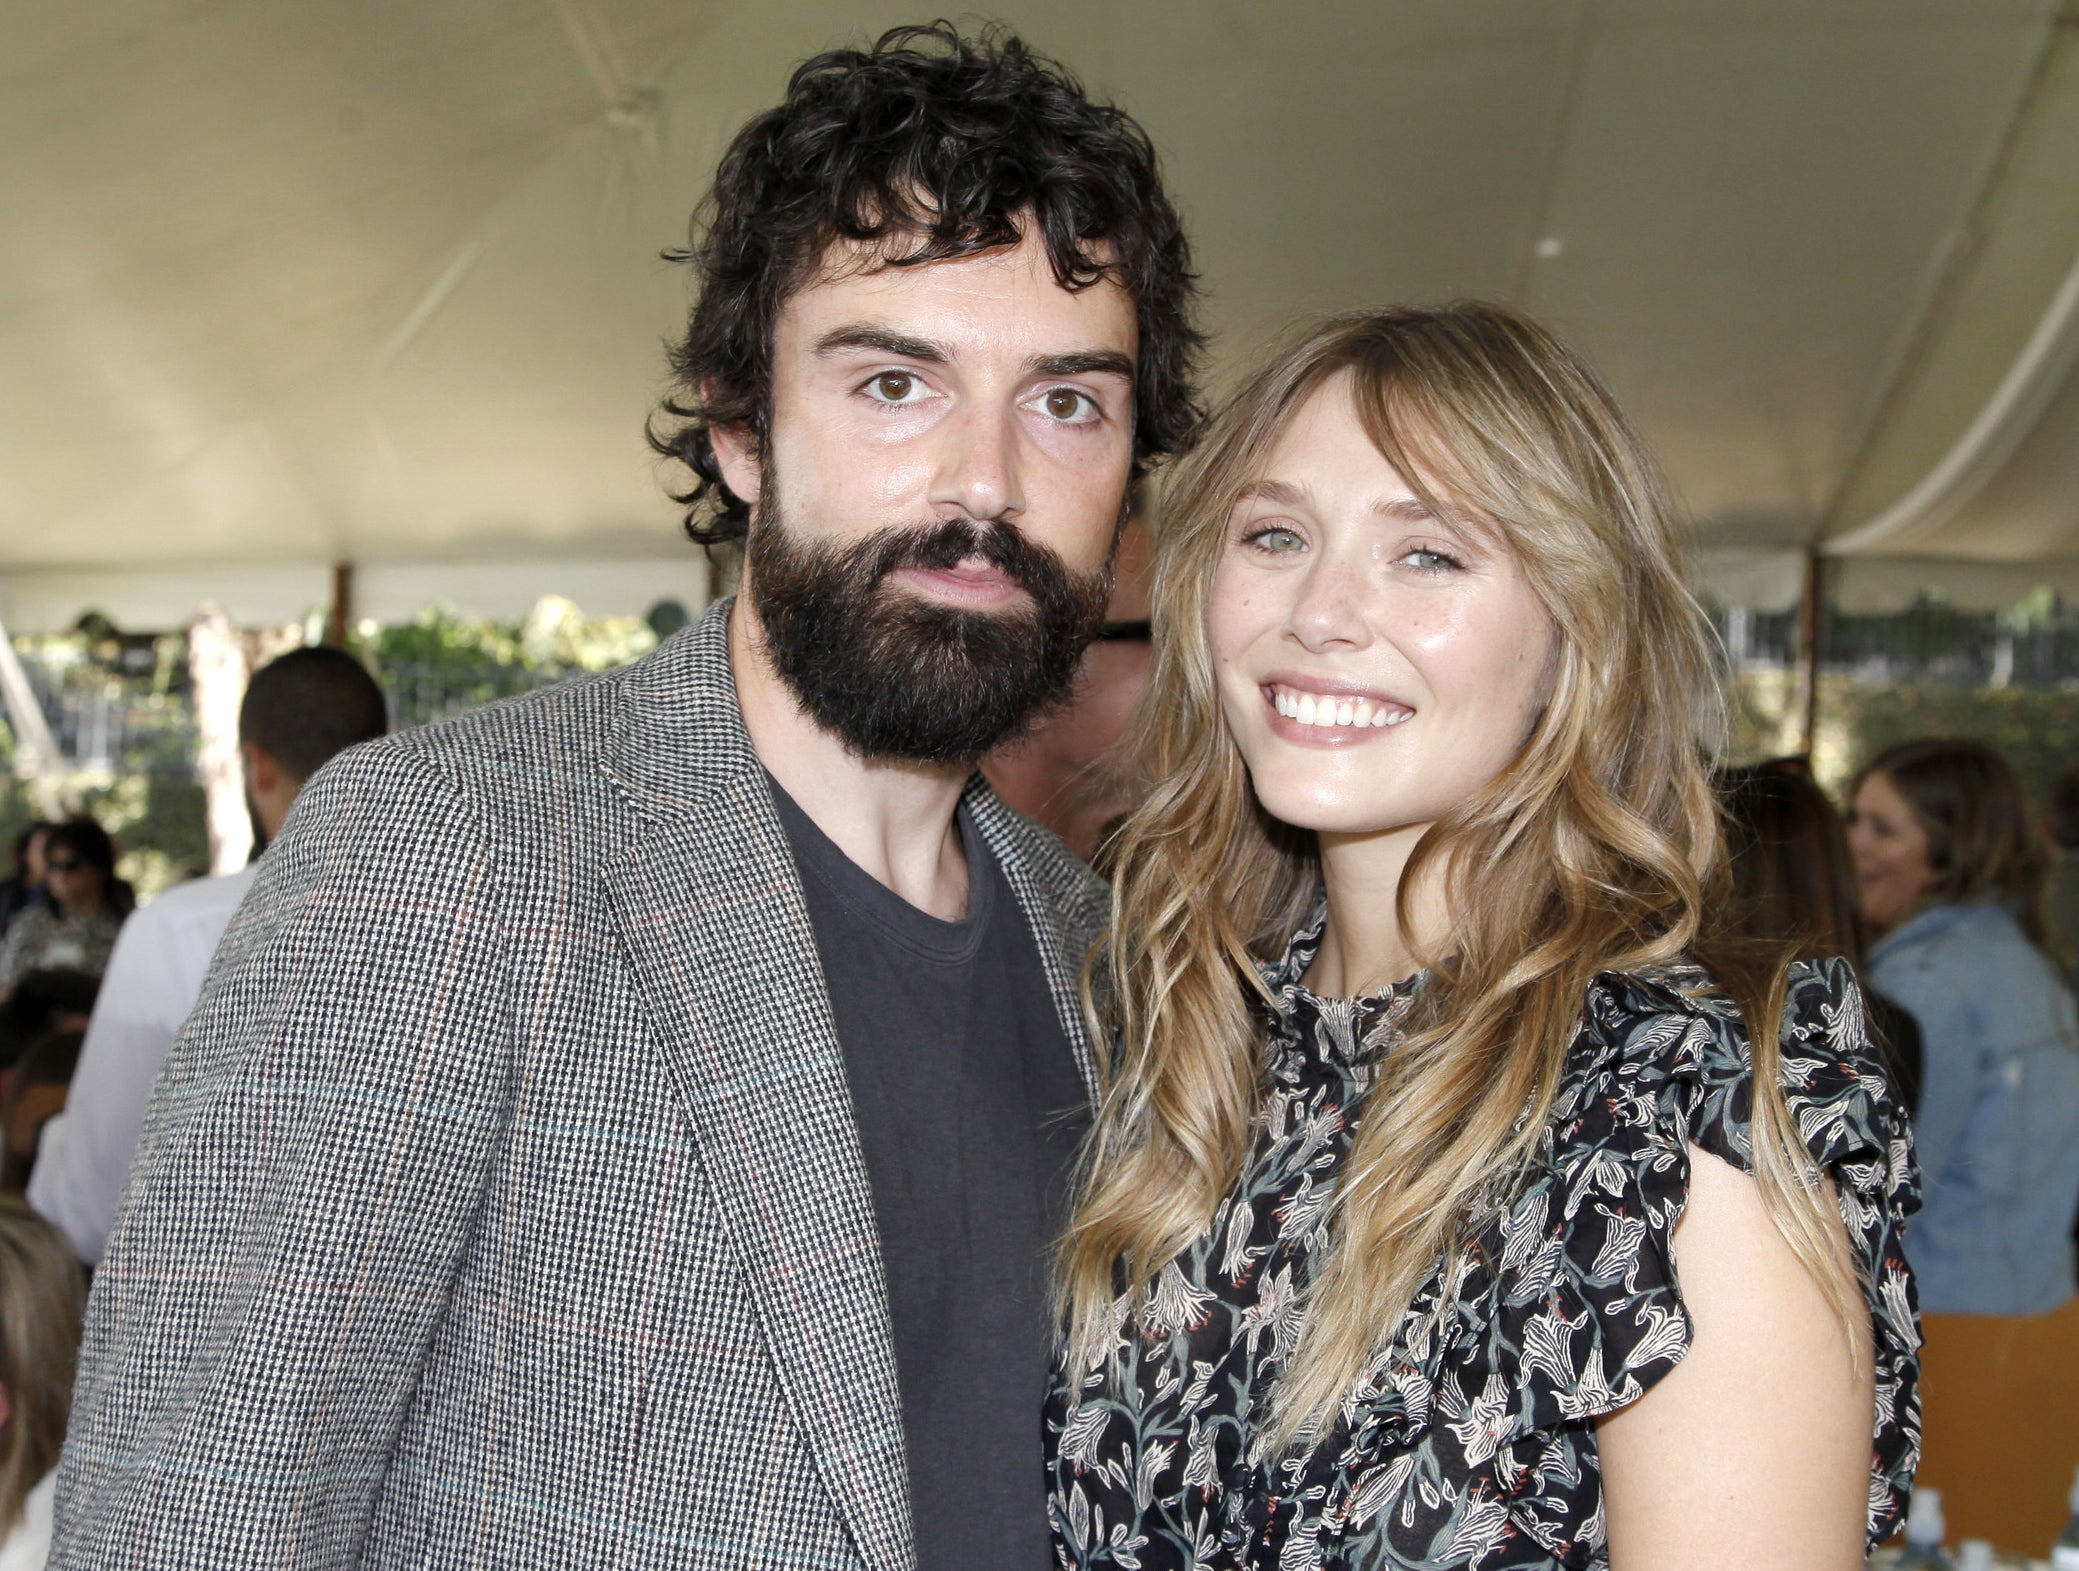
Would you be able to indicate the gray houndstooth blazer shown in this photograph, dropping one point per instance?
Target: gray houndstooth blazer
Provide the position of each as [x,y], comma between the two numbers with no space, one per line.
[502,1203]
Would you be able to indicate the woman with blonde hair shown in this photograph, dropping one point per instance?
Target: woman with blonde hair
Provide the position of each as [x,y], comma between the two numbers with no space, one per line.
[1428,1072]
[43,1294]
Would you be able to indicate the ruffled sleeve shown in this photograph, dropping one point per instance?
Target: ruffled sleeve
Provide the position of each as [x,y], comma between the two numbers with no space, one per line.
[1587,1307]
[1570,1306]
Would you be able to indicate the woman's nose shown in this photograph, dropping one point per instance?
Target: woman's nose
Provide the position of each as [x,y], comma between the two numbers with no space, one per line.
[1328,608]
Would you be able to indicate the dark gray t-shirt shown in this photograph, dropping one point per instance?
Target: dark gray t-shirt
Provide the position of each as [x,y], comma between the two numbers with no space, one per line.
[970,1108]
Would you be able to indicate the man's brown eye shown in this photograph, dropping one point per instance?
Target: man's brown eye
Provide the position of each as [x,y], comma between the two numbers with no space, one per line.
[894,385]
[1063,404]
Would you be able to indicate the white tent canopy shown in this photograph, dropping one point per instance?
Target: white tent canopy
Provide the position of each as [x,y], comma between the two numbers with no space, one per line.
[285,284]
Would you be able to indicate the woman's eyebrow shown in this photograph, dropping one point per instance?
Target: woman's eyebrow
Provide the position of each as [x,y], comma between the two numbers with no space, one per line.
[1278,493]
[1408,510]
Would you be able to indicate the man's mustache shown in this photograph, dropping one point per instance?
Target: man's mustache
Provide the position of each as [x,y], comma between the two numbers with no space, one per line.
[946,545]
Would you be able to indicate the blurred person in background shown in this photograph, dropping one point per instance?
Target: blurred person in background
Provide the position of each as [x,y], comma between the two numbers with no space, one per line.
[42,1002]
[2061,824]
[23,886]
[1794,879]
[1952,873]
[1064,771]
[76,926]
[40,1028]
[43,1295]
[35,1090]
[299,710]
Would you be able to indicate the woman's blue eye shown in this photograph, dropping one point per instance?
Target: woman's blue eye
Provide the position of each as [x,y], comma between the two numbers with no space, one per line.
[1276,537]
[1424,560]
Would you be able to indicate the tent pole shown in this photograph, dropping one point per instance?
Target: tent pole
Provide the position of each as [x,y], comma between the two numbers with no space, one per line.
[341,616]
[1811,623]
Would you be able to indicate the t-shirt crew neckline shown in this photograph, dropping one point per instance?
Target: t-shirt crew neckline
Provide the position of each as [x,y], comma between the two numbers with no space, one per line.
[929,938]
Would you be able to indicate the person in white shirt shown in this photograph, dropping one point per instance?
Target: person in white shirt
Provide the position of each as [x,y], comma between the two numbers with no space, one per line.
[299,710]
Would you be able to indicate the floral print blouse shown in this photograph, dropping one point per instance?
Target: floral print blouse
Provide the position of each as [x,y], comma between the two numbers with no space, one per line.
[1470,1441]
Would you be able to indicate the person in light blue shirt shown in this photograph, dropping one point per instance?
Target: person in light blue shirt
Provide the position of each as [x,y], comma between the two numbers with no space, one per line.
[1951,871]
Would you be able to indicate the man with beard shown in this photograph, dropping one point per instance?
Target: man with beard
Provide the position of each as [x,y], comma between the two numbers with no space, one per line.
[624,1126]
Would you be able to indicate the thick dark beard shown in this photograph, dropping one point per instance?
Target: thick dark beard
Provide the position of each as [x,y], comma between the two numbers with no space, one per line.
[895,676]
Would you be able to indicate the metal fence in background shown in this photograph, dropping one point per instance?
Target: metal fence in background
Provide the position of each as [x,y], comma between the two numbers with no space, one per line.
[105,719]
[129,716]
[1929,642]
[112,718]
[422,692]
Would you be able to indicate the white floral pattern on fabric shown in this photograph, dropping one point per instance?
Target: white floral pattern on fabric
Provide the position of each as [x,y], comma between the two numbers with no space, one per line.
[1469,1443]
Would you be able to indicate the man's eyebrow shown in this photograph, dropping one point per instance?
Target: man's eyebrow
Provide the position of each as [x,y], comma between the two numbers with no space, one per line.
[1083,362]
[864,335]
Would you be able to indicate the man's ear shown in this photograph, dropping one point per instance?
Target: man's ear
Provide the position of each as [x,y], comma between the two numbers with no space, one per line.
[736,454]
[262,773]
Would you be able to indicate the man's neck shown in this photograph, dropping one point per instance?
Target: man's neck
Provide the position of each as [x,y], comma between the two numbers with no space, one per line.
[894,818]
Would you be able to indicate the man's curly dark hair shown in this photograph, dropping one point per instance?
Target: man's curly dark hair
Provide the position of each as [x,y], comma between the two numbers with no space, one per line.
[932,146]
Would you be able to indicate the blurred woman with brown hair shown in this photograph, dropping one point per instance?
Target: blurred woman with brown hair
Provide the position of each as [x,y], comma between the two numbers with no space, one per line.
[43,1295]
[1952,871]
[1422,1059]
[1793,879]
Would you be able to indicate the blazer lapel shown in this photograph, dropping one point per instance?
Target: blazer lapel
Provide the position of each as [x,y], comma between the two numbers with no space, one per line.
[711,909]
[1063,902]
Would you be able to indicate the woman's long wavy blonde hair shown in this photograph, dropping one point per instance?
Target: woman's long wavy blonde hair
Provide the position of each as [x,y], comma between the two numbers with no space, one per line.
[1597,848]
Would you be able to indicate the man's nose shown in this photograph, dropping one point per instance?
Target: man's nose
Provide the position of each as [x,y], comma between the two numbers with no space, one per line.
[978,468]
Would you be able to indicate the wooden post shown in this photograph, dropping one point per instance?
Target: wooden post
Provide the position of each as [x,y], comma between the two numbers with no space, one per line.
[1811,625]
[341,617]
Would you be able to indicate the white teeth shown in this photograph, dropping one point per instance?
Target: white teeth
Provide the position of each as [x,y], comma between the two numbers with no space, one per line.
[1326,710]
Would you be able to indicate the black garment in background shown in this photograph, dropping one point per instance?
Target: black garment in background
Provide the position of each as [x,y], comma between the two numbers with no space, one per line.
[970,1108]
[1896,1036]
[16,896]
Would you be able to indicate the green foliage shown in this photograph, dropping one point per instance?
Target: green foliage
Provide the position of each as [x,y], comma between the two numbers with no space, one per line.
[554,636]
[2037,728]
[154,804]
[1764,716]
